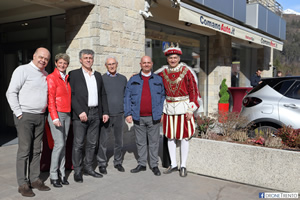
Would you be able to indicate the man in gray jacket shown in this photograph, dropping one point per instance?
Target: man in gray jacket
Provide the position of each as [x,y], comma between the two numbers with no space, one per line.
[27,97]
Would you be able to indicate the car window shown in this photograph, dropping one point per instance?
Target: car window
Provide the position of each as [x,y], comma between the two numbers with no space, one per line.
[294,92]
[283,86]
[258,87]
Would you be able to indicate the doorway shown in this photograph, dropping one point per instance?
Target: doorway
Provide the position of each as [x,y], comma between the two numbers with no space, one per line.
[18,42]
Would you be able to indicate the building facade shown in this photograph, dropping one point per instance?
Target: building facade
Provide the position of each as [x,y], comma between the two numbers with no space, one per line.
[218,38]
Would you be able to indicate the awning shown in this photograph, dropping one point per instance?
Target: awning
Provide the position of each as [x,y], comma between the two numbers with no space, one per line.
[197,16]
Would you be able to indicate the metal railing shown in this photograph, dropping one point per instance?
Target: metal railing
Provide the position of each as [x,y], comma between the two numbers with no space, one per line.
[272,5]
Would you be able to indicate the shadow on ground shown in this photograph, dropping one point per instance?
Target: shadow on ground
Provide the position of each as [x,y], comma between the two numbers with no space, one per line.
[8,136]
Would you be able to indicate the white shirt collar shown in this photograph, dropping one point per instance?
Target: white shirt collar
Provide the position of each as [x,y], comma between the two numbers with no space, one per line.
[86,72]
[63,75]
[146,75]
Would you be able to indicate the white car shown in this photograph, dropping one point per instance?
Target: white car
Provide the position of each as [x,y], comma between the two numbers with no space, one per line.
[273,104]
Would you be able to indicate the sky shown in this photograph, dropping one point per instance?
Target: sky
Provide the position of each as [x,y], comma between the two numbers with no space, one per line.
[291,4]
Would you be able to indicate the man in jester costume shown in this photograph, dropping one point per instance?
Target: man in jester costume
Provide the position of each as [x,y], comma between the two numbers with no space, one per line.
[182,102]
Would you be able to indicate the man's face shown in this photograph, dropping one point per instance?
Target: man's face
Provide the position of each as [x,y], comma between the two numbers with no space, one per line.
[111,65]
[258,72]
[87,61]
[146,64]
[41,58]
[62,65]
[173,60]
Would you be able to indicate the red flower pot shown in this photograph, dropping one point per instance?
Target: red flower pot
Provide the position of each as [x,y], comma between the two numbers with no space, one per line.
[223,109]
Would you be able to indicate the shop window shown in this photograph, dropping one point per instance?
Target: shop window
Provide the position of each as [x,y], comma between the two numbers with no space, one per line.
[193,46]
[244,62]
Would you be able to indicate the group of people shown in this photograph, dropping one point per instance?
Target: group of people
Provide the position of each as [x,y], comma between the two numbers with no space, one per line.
[97,105]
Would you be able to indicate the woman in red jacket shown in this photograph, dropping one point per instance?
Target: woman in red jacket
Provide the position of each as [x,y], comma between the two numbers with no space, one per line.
[59,106]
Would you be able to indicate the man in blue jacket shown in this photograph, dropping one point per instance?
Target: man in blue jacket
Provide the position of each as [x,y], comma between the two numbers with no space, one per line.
[143,105]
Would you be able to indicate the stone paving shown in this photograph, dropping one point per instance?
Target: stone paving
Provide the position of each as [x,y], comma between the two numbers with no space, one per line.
[122,186]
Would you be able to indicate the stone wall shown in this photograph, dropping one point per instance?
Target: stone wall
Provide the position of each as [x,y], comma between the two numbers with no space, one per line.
[109,28]
[219,67]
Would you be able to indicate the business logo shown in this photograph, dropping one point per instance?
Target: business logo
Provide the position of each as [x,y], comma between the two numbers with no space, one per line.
[278,195]
[261,195]
[249,38]
[268,42]
[217,26]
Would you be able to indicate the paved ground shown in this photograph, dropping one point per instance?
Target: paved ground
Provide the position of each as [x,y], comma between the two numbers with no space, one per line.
[122,186]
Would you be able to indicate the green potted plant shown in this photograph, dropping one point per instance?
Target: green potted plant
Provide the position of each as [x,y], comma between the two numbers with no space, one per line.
[223,106]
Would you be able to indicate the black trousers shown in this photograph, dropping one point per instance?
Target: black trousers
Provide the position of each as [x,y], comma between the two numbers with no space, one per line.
[89,132]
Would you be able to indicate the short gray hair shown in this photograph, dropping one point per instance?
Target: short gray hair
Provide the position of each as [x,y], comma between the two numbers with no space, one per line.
[109,57]
[86,51]
[63,56]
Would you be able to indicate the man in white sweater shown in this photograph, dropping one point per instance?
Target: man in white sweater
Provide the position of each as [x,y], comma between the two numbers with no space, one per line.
[27,97]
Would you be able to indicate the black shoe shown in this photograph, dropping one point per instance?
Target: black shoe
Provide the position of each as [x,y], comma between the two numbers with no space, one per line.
[64,181]
[93,174]
[56,183]
[102,170]
[170,170]
[78,178]
[138,169]
[120,168]
[183,172]
[156,171]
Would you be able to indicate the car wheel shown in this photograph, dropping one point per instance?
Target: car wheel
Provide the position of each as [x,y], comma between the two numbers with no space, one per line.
[265,131]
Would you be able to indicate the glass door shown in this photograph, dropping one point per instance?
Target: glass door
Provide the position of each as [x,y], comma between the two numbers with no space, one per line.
[18,42]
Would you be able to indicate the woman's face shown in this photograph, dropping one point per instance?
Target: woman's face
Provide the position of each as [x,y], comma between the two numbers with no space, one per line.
[62,65]
[173,60]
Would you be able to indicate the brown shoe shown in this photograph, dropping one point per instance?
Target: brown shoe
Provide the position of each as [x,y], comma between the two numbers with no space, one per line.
[26,191]
[38,184]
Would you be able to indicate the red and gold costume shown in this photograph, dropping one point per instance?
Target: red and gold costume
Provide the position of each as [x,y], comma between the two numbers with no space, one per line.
[181,98]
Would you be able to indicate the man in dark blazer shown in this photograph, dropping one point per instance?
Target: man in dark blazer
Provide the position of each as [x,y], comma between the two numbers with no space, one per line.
[89,106]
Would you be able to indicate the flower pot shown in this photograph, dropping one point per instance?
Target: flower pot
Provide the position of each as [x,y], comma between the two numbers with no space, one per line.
[254,165]
[223,109]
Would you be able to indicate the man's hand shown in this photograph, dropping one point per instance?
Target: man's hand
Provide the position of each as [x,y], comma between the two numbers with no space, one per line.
[20,117]
[57,123]
[133,74]
[162,118]
[83,117]
[129,119]
[188,116]
[105,118]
